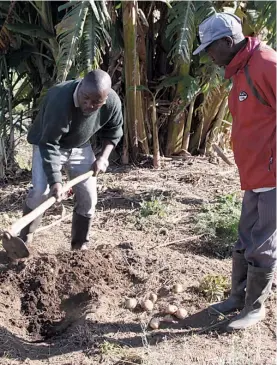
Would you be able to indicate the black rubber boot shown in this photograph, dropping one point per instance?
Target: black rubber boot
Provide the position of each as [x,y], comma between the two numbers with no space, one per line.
[237,296]
[259,283]
[27,233]
[80,232]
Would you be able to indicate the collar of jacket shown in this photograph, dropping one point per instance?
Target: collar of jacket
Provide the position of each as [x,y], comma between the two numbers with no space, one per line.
[242,57]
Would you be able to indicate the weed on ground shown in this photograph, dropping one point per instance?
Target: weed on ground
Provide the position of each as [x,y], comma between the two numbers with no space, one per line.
[219,221]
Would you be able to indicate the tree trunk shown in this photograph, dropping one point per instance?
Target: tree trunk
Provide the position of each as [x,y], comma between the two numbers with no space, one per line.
[176,121]
[186,138]
[210,109]
[142,97]
[130,57]
[10,111]
[156,148]
[142,137]
[125,154]
[195,139]
[213,136]
[3,160]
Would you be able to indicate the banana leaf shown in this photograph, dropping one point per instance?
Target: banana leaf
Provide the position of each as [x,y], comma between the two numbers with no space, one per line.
[69,32]
[31,30]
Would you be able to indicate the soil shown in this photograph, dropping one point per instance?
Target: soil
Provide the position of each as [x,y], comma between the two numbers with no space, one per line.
[63,307]
[55,290]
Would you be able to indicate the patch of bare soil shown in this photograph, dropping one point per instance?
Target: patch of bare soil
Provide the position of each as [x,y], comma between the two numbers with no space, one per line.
[56,290]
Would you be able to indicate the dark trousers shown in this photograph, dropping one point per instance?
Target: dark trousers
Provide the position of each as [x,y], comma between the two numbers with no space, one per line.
[257,229]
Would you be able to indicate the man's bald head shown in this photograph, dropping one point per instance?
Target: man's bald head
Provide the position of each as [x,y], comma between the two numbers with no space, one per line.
[97,80]
[93,91]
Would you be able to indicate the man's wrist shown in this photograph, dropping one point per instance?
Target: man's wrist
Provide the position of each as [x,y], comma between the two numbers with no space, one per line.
[54,183]
[54,178]
[103,160]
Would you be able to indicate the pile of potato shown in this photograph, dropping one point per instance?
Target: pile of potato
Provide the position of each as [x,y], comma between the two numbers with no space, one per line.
[148,303]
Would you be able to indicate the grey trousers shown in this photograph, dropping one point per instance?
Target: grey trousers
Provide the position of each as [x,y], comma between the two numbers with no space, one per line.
[257,229]
[76,161]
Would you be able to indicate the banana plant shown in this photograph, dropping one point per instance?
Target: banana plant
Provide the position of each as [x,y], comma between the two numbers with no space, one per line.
[183,20]
[154,125]
[165,83]
[134,104]
[81,34]
[44,42]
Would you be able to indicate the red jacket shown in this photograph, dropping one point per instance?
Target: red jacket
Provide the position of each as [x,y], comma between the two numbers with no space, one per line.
[254,123]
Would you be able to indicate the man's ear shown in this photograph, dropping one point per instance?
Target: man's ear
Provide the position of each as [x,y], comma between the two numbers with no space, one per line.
[229,41]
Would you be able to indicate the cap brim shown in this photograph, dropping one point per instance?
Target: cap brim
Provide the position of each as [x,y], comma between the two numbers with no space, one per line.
[201,48]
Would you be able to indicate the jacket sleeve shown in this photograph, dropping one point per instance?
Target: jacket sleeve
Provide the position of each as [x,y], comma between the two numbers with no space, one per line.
[55,123]
[266,80]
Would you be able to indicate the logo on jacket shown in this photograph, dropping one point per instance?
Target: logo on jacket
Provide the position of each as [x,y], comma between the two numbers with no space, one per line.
[242,96]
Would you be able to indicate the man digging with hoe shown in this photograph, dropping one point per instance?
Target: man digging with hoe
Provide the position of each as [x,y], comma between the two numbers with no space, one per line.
[70,114]
[252,102]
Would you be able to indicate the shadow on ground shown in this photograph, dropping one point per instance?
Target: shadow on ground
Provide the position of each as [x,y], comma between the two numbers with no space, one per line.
[87,336]
[211,248]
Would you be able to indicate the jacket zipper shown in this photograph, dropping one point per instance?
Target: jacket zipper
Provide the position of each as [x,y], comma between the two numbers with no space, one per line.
[270,163]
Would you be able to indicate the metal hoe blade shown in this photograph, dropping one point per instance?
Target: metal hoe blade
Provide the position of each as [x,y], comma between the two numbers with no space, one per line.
[15,247]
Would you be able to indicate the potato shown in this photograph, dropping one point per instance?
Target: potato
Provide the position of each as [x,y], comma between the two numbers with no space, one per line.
[154,323]
[147,305]
[131,303]
[153,297]
[178,288]
[181,313]
[171,309]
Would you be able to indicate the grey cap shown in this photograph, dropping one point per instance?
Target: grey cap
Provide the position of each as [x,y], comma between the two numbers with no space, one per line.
[217,26]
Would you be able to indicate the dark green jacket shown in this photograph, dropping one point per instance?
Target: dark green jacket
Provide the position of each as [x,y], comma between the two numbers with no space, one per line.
[59,124]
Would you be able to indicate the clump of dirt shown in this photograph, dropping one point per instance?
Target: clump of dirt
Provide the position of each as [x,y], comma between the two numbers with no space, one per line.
[55,290]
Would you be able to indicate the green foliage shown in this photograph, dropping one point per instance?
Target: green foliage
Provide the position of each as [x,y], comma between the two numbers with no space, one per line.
[82,35]
[45,43]
[219,222]
[181,29]
[31,30]
[170,81]
[69,32]
[88,47]
[203,10]
[261,17]
[214,287]
[221,218]
[139,88]
[108,348]
[154,206]
[184,18]
[230,208]
[117,43]
[189,87]
[119,354]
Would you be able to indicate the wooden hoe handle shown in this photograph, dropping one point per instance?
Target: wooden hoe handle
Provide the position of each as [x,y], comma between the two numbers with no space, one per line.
[27,219]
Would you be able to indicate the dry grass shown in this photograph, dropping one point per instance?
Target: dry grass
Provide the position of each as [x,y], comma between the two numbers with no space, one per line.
[114,335]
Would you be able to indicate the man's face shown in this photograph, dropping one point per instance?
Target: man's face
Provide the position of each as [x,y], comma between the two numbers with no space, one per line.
[220,51]
[89,100]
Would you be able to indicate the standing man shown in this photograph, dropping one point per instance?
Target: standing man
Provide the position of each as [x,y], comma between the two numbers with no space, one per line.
[70,114]
[252,67]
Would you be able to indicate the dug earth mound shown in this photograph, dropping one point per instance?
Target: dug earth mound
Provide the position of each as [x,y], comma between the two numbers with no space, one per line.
[41,296]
